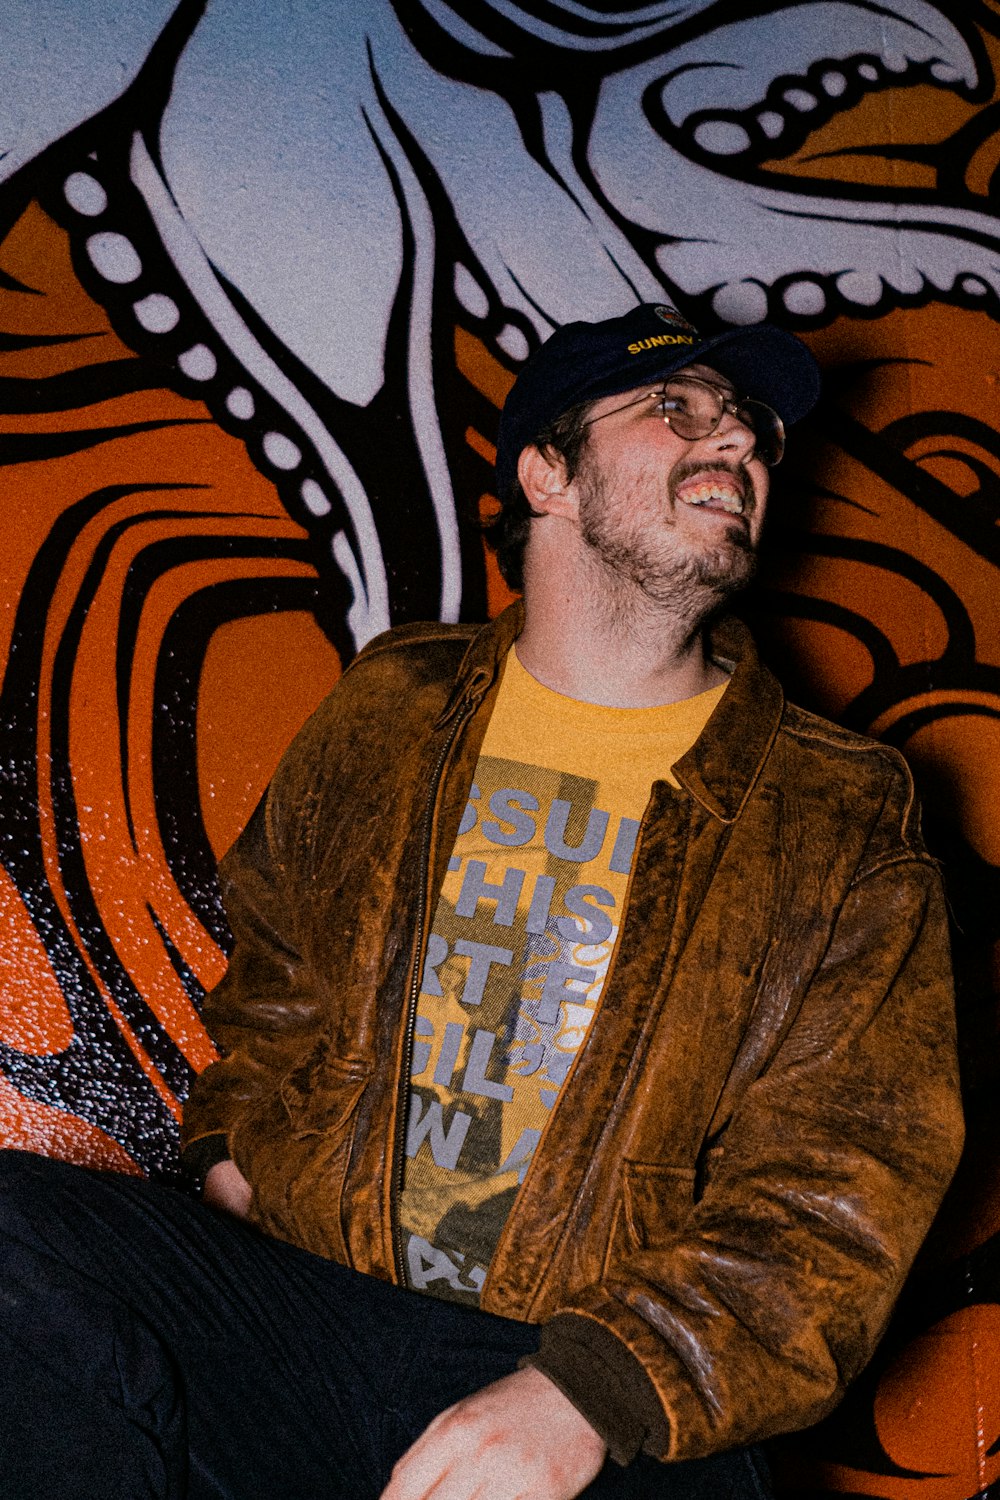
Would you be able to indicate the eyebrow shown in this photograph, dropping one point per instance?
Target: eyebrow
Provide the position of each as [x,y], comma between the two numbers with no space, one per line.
[720,384]
[723,386]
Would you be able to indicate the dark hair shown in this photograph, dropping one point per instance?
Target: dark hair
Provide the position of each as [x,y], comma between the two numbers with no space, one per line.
[507,531]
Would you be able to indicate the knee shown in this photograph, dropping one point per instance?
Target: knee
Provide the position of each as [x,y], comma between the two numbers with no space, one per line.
[26,1167]
[29,1183]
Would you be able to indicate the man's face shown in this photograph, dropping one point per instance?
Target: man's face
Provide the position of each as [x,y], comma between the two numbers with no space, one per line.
[680,519]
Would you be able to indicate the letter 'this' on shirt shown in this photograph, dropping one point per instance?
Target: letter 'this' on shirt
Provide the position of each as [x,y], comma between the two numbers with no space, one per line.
[521,941]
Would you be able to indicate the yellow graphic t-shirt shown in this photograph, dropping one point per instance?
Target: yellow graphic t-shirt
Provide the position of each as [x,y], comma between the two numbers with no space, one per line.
[520,945]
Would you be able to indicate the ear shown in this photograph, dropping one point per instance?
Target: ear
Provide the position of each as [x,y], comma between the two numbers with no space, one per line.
[542,477]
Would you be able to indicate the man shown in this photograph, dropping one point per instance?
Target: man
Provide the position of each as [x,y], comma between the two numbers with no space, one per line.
[581,985]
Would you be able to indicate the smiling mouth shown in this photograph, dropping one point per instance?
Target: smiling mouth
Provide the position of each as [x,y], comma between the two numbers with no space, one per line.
[713,494]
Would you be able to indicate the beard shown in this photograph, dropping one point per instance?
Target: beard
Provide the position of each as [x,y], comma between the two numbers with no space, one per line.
[631,552]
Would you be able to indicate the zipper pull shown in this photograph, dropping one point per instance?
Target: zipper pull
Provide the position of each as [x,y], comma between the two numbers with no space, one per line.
[465,699]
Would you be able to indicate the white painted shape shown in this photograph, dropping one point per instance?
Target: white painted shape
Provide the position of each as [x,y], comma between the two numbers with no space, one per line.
[722,137]
[420,380]
[805,298]
[513,342]
[240,403]
[198,362]
[741,302]
[862,287]
[462,31]
[157,313]
[114,257]
[732,67]
[615,26]
[315,501]
[731,235]
[470,294]
[281,451]
[198,275]
[272,164]
[62,61]
[85,194]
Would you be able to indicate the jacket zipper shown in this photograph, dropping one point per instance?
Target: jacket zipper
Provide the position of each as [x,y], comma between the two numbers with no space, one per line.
[487,1284]
[399,1164]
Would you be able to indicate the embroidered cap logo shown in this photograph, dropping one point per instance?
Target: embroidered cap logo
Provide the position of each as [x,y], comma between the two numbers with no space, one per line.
[673,318]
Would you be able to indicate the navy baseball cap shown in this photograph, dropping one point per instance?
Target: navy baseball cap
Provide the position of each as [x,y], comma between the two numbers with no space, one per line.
[585,361]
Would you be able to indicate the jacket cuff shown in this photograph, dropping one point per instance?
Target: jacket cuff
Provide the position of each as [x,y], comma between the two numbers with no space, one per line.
[202,1155]
[606,1384]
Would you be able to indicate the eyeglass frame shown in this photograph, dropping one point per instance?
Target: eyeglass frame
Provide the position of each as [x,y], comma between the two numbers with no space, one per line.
[731,404]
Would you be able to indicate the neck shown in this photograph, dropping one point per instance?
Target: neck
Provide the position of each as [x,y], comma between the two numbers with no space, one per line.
[592,644]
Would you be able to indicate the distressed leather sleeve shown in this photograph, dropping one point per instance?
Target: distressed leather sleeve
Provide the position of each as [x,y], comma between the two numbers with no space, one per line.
[752,1316]
[264,1013]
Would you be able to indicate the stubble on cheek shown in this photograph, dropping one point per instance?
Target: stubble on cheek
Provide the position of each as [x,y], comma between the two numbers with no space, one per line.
[636,539]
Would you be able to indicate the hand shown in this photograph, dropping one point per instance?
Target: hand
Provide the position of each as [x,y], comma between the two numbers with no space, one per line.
[518,1437]
[228,1189]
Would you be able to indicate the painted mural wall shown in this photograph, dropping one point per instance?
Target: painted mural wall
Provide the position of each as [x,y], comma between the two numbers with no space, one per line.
[266,274]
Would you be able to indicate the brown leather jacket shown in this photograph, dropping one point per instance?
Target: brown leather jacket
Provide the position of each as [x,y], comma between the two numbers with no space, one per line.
[748,1153]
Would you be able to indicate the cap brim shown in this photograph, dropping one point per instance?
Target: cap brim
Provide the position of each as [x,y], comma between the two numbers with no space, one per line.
[761,361]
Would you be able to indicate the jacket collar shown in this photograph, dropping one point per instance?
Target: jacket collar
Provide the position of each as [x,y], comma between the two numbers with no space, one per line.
[723,765]
[484,655]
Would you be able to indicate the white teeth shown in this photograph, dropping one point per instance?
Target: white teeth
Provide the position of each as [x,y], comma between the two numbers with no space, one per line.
[725,497]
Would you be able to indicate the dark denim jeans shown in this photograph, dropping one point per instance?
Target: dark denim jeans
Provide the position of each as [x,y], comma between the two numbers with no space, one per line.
[152,1347]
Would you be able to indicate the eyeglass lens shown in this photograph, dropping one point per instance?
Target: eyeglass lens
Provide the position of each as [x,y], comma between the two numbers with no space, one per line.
[694,408]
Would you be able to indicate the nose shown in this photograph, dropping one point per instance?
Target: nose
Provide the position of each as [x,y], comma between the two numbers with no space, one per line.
[734,436]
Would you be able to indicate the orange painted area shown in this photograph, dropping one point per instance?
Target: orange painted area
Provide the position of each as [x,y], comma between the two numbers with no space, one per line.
[944,351]
[911,115]
[982,166]
[940,373]
[219,494]
[33,1017]
[261,679]
[26,1125]
[481,368]
[128,878]
[481,445]
[898,608]
[937,1416]
[937,1413]
[938,1407]
[36,252]
[850,665]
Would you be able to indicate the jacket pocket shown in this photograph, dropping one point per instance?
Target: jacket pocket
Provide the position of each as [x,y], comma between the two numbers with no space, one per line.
[323,1092]
[655,1198]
